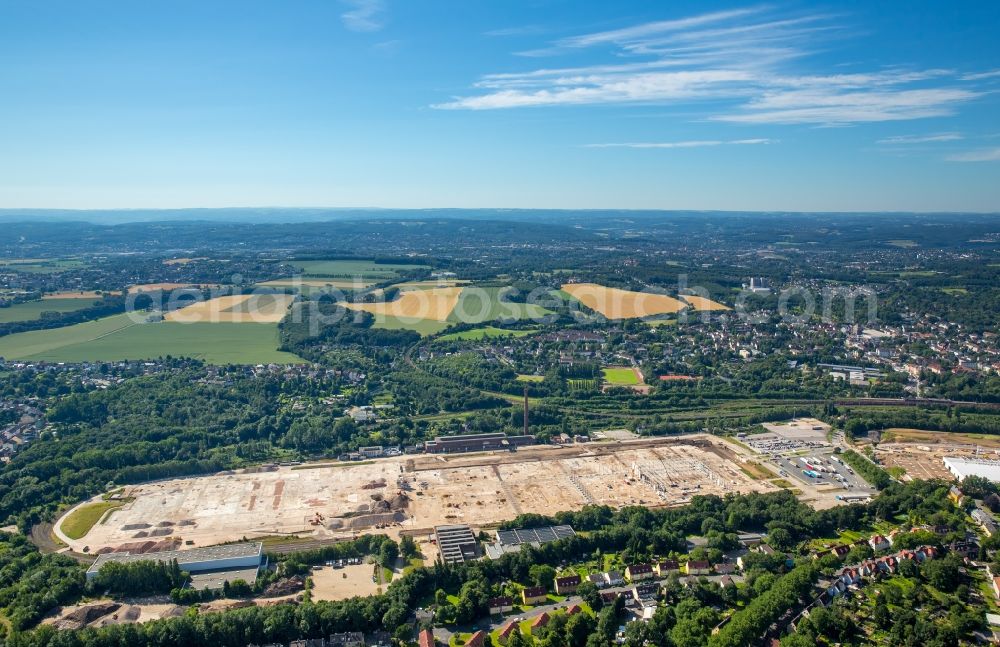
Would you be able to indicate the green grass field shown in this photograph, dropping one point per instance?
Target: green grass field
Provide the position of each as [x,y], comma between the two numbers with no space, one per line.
[530,378]
[486,332]
[118,338]
[479,305]
[620,376]
[31,310]
[42,266]
[423,326]
[79,523]
[352,268]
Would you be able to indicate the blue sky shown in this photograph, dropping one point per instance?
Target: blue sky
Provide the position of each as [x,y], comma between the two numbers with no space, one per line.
[544,103]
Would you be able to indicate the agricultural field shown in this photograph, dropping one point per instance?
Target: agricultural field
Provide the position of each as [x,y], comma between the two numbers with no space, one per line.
[119,338]
[31,310]
[165,287]
[409,493]
[486,332]
[349,269]
[311,285]
[79,294]
[424,327]
[184,260]
[42,265]
[479,305]
[701,303]
[239,308]
[414,306]
[614,303]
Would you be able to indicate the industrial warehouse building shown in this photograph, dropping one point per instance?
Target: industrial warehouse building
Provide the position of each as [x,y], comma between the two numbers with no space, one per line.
[962,467]
[456,543]
[510,541]
[476,443]
[209,567]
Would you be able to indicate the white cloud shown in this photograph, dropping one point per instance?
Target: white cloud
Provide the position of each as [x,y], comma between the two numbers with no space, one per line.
[832,107]
[364,15]
[921,139]
[686,144]
[738,64]
[981,155]
[638,33]
[978,76]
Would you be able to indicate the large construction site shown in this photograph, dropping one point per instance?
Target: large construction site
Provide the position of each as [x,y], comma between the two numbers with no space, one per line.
[415,493]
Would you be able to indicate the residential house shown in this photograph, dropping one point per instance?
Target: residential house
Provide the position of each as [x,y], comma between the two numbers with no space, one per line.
[540,621]
[507,631]
[477,639]
[426,638]
[840,551]
[608,597]
[639,572]
[501,605]
[597,579]
[532,595]
[567,585]
[698,567]
[666,567]
[645,591]
[726,568]
[347,639]
[967,549]
[573,609]
[879,543]
[614,578]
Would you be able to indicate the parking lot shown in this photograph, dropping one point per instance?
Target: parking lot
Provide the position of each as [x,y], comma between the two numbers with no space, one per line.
[800,451]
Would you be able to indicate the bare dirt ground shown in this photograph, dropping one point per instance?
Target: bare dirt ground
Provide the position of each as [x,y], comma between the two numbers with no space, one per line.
[342,583]
[415,493]
[919,461]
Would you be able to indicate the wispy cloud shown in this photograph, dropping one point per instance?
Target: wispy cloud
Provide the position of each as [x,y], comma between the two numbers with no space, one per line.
[981,155]
[364,15]
[920,139]
[979,76]
[744,65]
[697,143]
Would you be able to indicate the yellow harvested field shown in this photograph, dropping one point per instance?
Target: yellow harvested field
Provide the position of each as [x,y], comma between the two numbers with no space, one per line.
[415,305]
[239,308]
[622,304]
[82,294]
[316,283]
[701,303]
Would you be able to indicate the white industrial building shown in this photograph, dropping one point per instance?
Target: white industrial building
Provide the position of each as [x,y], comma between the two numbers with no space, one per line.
[209,567]
[962,467]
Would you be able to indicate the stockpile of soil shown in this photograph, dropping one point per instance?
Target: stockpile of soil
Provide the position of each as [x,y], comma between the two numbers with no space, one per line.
[369,520]
[285,586]
[79,618]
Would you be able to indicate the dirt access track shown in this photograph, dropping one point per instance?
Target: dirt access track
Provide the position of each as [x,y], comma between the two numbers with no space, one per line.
[411,493]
